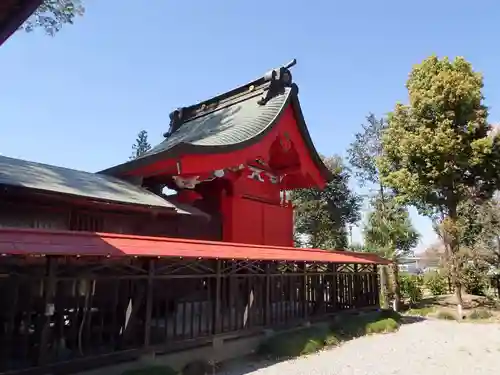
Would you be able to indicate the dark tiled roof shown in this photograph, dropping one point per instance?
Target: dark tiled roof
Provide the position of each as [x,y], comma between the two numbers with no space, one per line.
[49,178]
[12,15]
[237,123]
[229,121]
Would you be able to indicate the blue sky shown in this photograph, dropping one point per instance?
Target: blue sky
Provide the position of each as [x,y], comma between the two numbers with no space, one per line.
[79,99]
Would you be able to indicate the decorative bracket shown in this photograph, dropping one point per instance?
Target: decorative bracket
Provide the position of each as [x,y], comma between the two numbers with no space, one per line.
[279,79]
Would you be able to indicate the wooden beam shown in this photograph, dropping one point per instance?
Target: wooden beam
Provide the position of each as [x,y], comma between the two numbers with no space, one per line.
[149,303]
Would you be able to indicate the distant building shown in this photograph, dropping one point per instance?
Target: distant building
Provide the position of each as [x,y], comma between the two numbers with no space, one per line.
[417,264]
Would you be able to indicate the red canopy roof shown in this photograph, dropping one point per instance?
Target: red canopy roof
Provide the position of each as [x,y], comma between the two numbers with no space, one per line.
[42,242]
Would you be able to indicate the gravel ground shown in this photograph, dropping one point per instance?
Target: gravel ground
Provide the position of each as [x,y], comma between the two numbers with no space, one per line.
[424,348]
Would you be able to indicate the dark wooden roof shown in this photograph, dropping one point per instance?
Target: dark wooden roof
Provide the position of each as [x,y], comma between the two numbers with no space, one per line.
[46,178]
[230,121]
[12,15]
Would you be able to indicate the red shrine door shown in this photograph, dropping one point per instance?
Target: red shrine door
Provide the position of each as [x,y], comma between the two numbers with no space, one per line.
[251,221]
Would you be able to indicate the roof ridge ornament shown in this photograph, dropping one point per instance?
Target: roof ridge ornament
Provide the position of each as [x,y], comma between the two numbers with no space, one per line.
[279,79]
[176,119]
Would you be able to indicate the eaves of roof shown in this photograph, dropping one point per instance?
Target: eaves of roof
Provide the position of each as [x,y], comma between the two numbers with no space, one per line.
[12,15]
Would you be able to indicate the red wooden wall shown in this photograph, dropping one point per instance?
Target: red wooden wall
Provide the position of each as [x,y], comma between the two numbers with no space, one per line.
[253,214]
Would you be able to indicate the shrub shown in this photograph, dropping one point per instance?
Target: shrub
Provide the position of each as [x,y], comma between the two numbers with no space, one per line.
[436,283]
[332,339]
[475,282]
[151,370]
[423,311]
[198,367]
[382,326]
[293,344]
[411,288]
[384,314]
[379,322]
[480,314]
[313,339]
[445,315]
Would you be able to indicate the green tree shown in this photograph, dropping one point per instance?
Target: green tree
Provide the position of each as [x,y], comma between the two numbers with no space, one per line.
[389,230]
[52,15]
[482,231]
[362,155]
[365,149]
[141,145]
[322,216]
[437,152]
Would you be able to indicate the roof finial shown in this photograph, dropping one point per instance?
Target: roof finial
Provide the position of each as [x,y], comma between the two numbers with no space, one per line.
[175,121]
[279,79]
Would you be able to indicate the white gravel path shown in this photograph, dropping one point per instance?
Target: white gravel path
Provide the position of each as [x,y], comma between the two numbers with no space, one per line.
[424,348]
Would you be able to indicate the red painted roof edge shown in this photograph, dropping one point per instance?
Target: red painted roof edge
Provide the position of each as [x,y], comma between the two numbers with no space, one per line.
[21,236]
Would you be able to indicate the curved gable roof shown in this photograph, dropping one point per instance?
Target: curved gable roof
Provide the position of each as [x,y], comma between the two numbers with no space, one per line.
[231,121]
[226,127]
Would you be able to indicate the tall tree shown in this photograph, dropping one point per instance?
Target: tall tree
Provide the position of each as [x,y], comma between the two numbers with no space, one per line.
[437,152]
[389,230]
[482,230]
[322,216]
[141,145]
[365,149]
[52,15]
[362,154]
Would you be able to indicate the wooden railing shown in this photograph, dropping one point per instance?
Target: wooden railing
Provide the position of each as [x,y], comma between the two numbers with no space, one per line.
[59,310]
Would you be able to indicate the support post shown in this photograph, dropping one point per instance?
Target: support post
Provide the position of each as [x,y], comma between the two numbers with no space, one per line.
[356,286]
[267,301]
[149,303]
[377,284]
[304,292]
[43,324]
[217,321]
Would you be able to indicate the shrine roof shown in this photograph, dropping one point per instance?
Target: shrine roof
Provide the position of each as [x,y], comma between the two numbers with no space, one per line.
[235,124]
[48,242]
[53,179]
[230,121]
[12,15]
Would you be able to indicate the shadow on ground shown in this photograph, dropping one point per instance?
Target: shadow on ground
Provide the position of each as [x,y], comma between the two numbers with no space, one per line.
[255,362]
[470,302]
[410,319]
[244,366]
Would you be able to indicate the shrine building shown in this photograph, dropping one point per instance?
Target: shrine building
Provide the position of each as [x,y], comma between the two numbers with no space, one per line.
[98,268]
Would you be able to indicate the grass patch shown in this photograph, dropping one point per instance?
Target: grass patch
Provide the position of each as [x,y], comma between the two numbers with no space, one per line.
[422,311]
[151,370]
[293,344]
[446,315]
[479,314]
[382,326]
[312,339]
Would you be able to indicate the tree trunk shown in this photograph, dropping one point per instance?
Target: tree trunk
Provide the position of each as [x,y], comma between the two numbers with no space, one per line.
[396,290]
[384,286]
[453,246]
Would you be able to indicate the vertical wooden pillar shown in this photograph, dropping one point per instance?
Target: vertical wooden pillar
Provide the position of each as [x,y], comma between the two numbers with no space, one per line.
[149,303]
[334,298]
[7,339]
[43,324]
[356,286]
[377,286]
[267,297]
[305,291]
[217,318]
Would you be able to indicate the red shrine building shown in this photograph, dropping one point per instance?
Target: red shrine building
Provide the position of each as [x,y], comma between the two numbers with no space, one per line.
[233,157]
[103,267]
